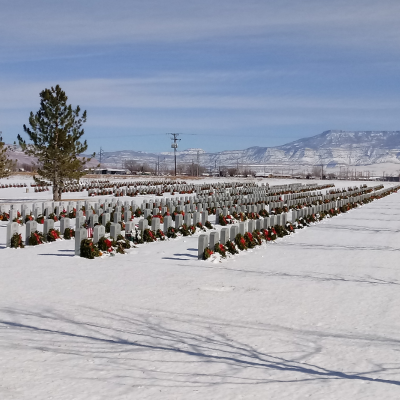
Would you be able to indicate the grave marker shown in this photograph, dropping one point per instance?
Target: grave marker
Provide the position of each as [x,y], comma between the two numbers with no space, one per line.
[31,227]
[12,228]
[80,234]
[224,235]
[48,224]
[234,232]
[214,239]
[115,230]
[64,224]
[98,232]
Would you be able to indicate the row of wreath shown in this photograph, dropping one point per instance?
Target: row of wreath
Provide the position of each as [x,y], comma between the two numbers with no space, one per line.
[252,239]
[109,246]
[91,250]
[37,238]
[13,185]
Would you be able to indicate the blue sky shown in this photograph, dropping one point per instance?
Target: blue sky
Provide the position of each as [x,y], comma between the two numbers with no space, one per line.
[233,74]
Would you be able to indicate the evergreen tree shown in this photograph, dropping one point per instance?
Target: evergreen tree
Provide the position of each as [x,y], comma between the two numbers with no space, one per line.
[6,165]
[55,131]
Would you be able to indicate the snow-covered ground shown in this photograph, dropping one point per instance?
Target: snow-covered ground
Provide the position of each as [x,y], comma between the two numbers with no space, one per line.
[314,315]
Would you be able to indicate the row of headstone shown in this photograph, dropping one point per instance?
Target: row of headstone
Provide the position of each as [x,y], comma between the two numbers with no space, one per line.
[225,234]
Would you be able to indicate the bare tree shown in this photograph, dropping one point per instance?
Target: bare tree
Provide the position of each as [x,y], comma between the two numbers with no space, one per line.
[248,172]
[29,167]
[146,168]
[192,168]
[131,165]
[316,171]
[232,171]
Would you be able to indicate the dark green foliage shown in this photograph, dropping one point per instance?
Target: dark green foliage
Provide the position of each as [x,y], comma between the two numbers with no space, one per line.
[69,233]
[281,231]
[208,225]
[104,244]
[171,233]
[124,243]
[207,253]
[55,132]
[72,214]
[230,247]
[6,165]
[160,234]
[257,237]
[149,236]
[52,235]
[240,242]
[221,249]
[200,225]
[4,217]
[250,241]
[89,249]
[16,241]
[187,230]
[29,218]
[35,238]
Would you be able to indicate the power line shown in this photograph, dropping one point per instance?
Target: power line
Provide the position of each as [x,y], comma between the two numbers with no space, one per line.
[157,134]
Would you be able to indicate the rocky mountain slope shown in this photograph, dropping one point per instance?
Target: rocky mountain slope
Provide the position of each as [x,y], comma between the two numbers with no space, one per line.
[331,148]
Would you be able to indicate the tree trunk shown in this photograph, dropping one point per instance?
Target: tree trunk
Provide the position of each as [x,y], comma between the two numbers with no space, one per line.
[56,187]
[56,192]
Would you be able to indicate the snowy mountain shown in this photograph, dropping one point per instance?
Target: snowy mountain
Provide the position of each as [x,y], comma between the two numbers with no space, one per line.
[15,153]
[331,148]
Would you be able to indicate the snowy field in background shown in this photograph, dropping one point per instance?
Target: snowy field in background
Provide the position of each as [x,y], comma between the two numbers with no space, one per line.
[314,315]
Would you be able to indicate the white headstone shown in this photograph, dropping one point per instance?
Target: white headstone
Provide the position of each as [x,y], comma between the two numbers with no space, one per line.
[12,228]
[80,234]
[202,244]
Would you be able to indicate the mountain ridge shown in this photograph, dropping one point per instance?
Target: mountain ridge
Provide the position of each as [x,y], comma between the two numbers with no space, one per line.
[331,148]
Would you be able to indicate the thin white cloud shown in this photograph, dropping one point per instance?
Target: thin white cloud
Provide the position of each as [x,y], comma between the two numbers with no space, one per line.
[140,105]
[173,93]
[73,23]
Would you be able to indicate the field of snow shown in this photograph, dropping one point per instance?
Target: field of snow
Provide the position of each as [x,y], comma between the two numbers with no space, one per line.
[314,315]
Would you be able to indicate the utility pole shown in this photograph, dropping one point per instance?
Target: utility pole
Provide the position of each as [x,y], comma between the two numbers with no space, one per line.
[198,161]
[101,153]
[174,145]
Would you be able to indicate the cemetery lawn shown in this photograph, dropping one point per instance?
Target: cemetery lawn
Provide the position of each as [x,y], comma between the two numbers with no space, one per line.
[314,315]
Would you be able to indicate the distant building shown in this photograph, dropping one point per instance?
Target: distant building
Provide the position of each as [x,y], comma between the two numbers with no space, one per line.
[392,178]
[264,174]
[109,171]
